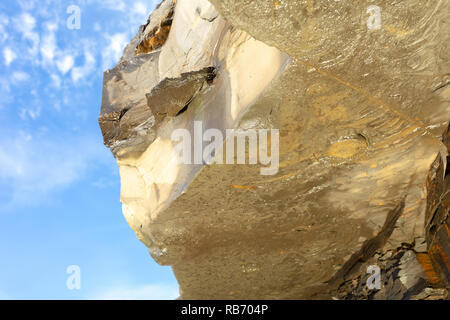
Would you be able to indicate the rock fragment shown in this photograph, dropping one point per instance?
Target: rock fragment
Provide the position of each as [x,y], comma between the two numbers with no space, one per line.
[172,95]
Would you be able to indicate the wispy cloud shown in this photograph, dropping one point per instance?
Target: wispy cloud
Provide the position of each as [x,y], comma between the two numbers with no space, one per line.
[65,63]
[49,48]
[143,292]
[19,76]
[41,64]
[118,5]
[9,56]
[37,38]
[114,49]
[4,21]
[89,66]
[33,167]
[27,4]
[25,24]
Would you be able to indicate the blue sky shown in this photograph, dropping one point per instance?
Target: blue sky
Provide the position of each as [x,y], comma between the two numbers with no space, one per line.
[59,186]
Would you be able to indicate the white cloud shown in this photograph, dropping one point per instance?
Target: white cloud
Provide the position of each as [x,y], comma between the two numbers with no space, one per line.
[32,43]
[56,80]
[65,64]
[35,38]
[48,46]
[118,5]
[4,21]
[114,50]
[5,88]
[140,8]
[143,292]
[20,76]
[3,34]
[25,24]
[27,4]
[33,113]
[9,56]
[32,167]
[83,71]
[5,92]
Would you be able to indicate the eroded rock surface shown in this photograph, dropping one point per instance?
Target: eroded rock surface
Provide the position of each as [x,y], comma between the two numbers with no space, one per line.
[363,117]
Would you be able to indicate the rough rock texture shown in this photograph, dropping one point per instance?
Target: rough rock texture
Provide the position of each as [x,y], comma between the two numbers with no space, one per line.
[363,116]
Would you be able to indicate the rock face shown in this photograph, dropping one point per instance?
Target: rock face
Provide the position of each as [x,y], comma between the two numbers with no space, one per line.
[360,96]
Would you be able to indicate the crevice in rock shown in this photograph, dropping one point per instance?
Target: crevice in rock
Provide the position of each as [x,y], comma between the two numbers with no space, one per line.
[183,110]
[123,112]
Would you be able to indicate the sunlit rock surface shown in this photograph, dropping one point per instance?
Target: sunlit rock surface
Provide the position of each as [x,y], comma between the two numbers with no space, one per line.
[362,113]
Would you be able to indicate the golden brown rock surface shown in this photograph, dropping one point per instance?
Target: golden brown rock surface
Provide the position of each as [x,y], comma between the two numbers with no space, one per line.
[363,177]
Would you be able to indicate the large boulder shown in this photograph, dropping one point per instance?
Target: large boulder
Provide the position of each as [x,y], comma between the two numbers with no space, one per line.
[359,95]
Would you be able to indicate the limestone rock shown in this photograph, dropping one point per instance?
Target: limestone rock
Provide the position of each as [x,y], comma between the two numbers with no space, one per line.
[362,113]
